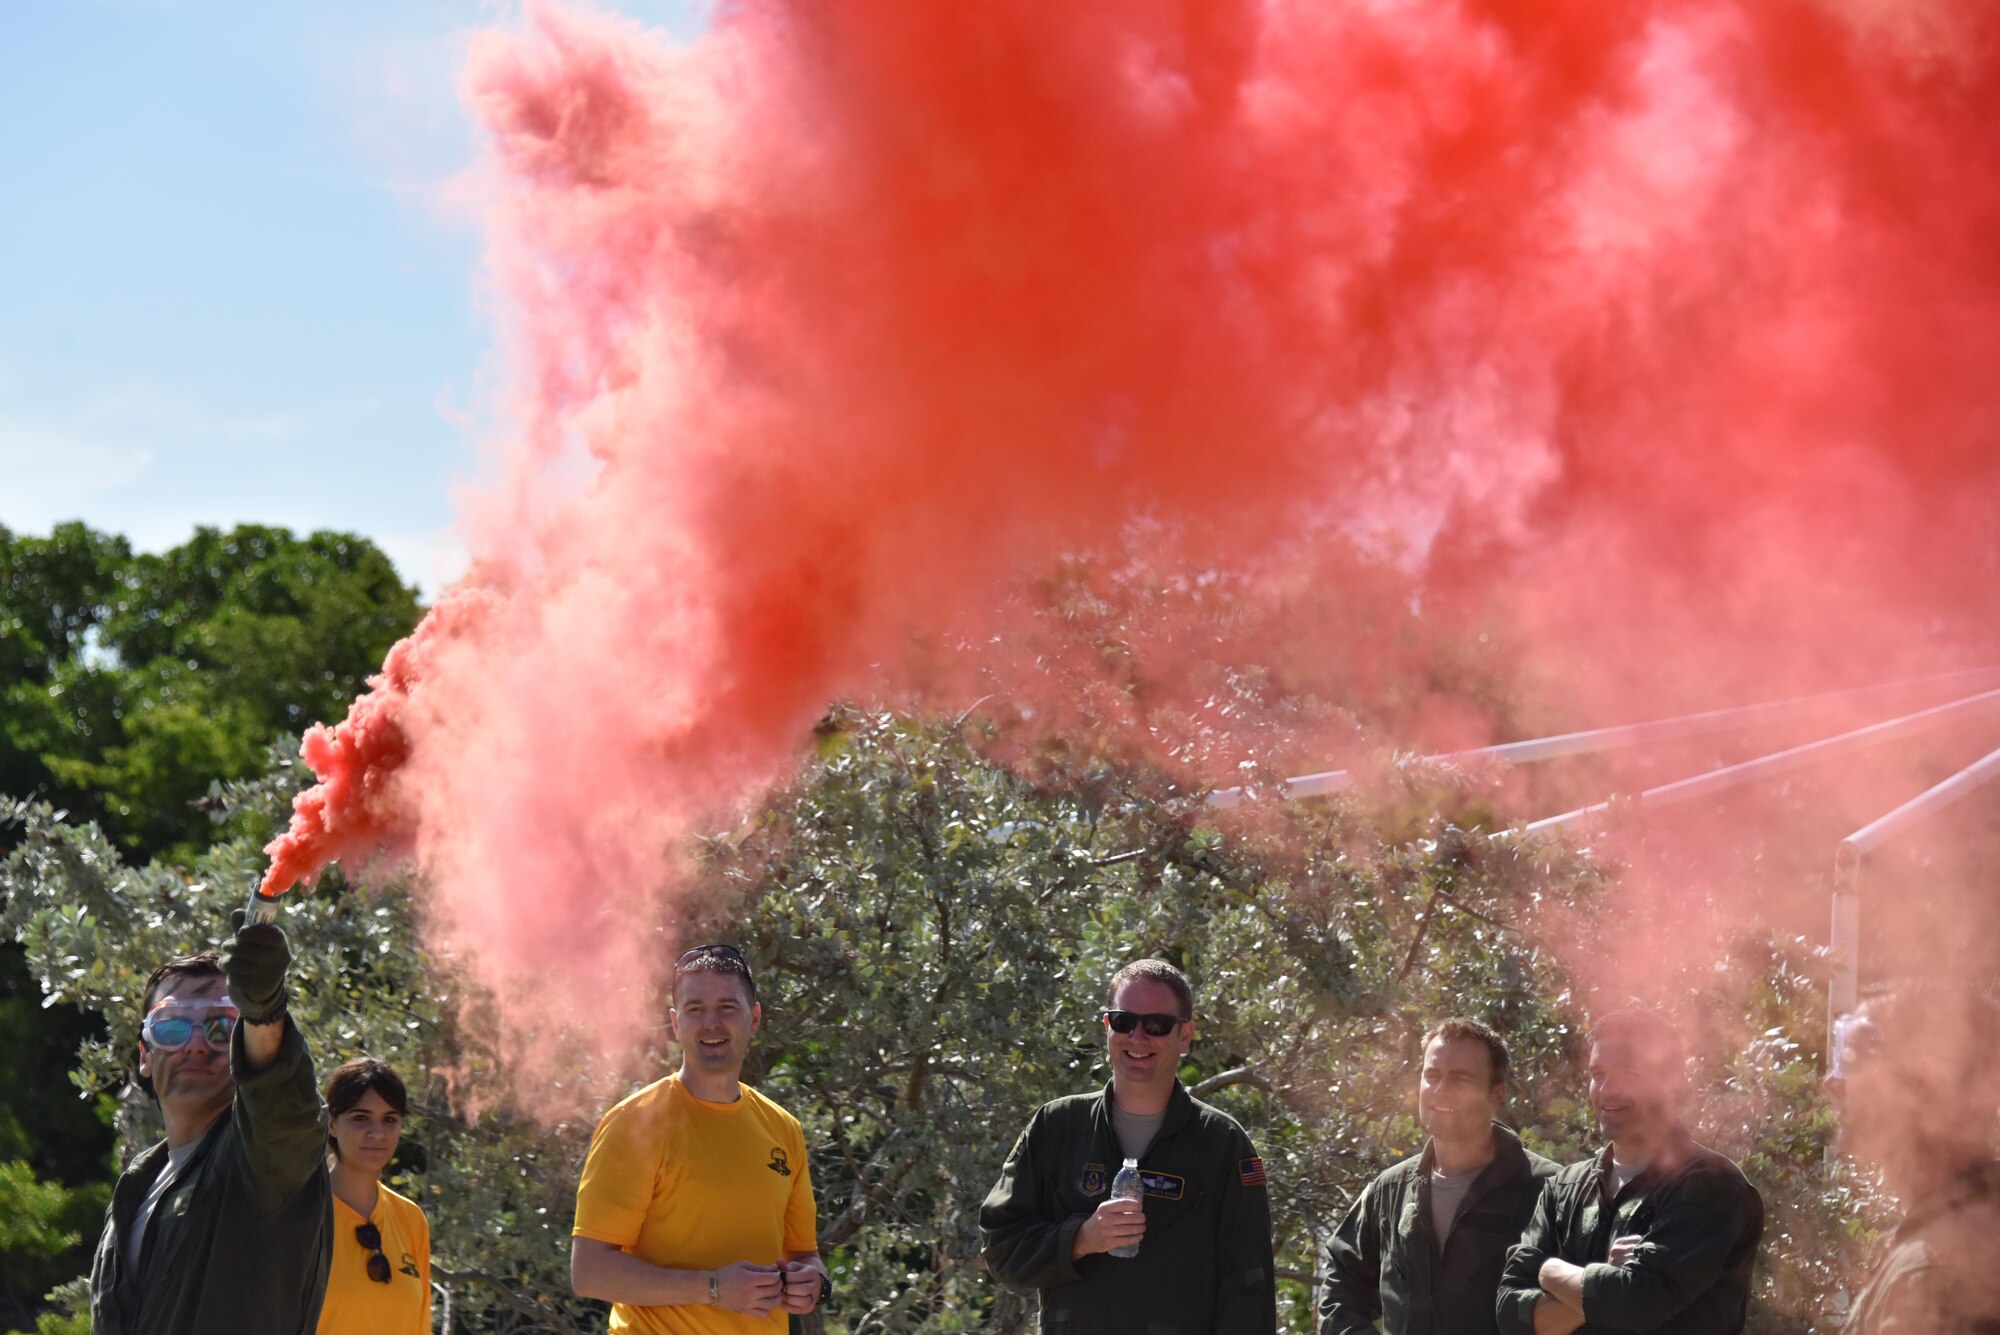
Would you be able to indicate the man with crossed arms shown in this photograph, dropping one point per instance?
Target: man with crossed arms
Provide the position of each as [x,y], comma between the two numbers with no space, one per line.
[695,1212]
[1656,1232]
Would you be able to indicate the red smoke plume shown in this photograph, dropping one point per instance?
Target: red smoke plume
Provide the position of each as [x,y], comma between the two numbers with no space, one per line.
[1665,331]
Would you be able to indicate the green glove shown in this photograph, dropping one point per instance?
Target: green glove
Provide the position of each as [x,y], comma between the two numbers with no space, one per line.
[254,961]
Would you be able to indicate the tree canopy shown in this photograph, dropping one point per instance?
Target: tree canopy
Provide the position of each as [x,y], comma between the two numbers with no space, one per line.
[130,685]
[932,933]
[932,908]
[133,681]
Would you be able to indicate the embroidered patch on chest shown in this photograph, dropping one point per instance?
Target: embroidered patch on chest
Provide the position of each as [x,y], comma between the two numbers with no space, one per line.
[1164,1185]
[1092,1180]
[1251,1170]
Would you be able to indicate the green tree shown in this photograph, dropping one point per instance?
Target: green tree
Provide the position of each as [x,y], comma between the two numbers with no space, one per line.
[932,908]
[129,685]
[932,932]
[134,682]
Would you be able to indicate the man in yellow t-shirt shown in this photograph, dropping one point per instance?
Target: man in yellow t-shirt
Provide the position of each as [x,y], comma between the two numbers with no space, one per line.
[695,1212]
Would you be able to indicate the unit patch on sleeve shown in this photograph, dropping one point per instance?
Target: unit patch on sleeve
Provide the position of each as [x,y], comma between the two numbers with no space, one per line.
[1252,1171]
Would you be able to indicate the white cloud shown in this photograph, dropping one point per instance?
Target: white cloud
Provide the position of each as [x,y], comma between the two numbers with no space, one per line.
[139,409]
[48,474]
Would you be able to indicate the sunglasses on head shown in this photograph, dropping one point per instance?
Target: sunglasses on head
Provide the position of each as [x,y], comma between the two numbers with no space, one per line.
[699,952]
[370,1237]
[171,1026]
[730,953]
[1155,1025]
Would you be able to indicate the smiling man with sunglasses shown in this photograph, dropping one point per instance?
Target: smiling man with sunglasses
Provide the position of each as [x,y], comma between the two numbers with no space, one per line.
[1203,1229]
[695,1213]
[224,1226]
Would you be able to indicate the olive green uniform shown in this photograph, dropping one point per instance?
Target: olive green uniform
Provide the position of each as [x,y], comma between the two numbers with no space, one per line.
[1205,1264]
[239,1245]
[1700,1220]
[1384,1262]
[1940,1269]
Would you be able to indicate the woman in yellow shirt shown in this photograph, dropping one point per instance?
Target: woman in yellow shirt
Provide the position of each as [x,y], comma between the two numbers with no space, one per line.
[380,1283]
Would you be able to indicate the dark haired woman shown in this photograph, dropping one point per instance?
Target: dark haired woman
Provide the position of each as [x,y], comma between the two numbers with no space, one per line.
[380,1283]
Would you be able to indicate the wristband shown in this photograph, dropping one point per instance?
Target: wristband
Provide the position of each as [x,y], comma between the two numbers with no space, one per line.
[714,1289]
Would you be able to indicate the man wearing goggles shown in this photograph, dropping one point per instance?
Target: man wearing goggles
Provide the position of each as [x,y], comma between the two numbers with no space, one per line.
[223,1226]
[1203,1228]
[695,1212]
[1914,1082]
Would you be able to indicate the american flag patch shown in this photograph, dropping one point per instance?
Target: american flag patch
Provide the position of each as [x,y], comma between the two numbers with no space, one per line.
[1252,1171]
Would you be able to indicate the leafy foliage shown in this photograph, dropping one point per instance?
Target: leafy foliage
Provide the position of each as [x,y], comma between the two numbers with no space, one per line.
[932,931]
[932,934]
[132,682]
[129,685]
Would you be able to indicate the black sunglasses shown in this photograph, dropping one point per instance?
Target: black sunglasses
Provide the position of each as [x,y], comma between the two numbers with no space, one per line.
[1155,1025]
[370,1237]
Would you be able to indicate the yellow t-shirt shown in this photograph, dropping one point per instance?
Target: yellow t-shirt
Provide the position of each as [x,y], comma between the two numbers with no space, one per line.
[356,1304]
[691,1185]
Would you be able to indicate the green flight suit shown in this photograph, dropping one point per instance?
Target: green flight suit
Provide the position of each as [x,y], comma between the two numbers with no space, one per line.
[240,1244]
[1206,1262]
[1939,1273]
[1700,1219]
[1384,1263]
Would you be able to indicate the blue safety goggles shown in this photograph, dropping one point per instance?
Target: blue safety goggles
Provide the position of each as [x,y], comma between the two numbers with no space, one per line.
[171,1025]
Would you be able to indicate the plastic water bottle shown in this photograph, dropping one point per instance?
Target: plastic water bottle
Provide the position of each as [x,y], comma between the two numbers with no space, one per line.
[1127,1187]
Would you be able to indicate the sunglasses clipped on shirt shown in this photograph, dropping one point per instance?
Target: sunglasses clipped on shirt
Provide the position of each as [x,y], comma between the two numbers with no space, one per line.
[1155,1025]
[171,1026]
[370,1237]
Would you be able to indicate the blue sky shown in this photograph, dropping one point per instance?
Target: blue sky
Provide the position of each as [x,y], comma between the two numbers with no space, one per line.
[228,283]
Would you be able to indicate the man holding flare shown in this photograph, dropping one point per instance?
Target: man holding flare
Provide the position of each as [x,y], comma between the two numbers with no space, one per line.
[225,1225]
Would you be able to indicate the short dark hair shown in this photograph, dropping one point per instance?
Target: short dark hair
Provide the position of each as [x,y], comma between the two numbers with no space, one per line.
[201,964]
[1649,1031]
[710,959]
[353,1081]
[1914,1013]
[1155,971]
[1457,1027]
